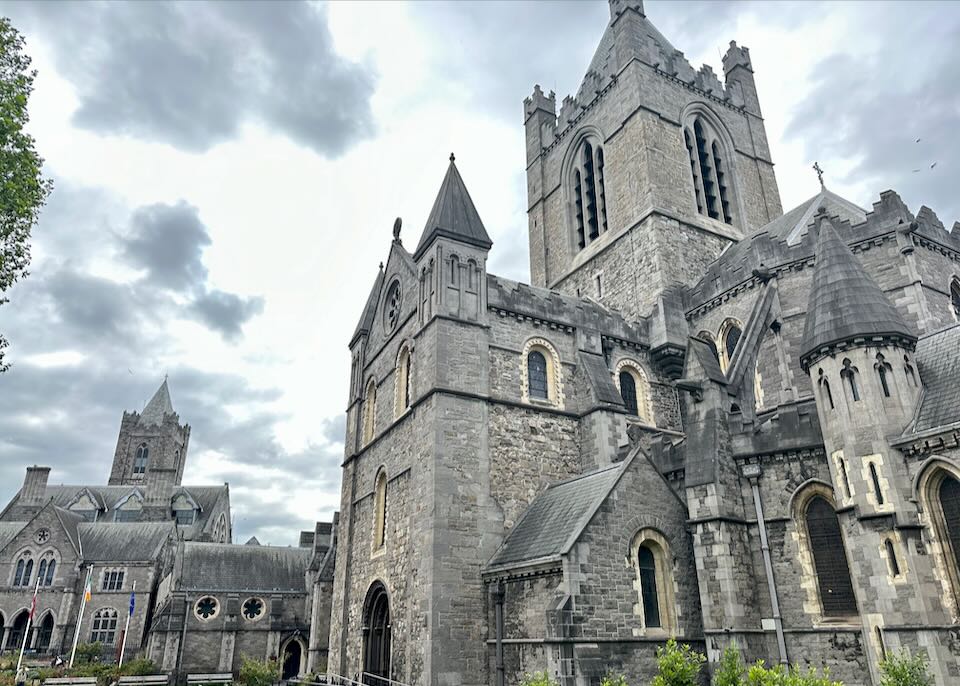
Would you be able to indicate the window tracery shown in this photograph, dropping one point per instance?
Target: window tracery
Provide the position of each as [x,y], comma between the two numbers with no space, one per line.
[710,168]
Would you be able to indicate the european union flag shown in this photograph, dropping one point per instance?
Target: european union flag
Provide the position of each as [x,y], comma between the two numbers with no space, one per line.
[133,603]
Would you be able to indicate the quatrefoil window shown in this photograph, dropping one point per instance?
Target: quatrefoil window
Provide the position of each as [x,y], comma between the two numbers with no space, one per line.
[252,608]
[43,535]
[207,607]
[391,307]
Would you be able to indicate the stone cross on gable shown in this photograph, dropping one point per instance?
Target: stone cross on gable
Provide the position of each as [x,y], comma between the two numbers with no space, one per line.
[816,168]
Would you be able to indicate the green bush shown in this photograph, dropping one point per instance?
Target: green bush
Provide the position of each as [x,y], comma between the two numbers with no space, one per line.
[759,675]
[731,670]
[903,669]
[88,652]
[613,679]
[139,667]
[537,679]
[258,672]
[678,665]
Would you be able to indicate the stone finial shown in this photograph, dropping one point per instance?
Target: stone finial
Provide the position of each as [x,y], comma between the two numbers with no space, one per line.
[955,232]
[736,57]
[397,223]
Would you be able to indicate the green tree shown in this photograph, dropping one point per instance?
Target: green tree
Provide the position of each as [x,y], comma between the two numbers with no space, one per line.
[23,190]
[678,665]
[258,672]
[730,672]
[903,669]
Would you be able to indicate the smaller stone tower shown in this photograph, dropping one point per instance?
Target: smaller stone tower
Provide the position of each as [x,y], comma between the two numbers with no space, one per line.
[152,445]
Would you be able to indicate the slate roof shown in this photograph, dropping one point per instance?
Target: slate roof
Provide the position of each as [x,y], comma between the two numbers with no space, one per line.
[223,566]
[71,524]
[370,309]
[939,366]
[845,302]
[793,225]
[109,496]
[556,515]
[158,406]
[453,215]
[8,531]
[128,542]
[601,380]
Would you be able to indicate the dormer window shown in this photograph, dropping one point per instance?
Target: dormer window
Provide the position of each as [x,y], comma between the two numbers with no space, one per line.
[588,192]
[184,510]
[710,169]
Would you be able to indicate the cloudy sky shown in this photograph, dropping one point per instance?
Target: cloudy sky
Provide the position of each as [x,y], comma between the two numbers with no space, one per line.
[227,176]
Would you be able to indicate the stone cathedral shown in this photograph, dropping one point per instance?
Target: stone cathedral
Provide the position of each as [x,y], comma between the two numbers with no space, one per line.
[705,417]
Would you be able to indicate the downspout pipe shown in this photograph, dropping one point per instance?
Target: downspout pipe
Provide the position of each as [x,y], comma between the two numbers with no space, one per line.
[752,472]
[498,595]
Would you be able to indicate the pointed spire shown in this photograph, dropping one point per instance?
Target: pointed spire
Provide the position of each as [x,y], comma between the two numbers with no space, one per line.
[845,302]
[158,407]
[453,215]
[366,319]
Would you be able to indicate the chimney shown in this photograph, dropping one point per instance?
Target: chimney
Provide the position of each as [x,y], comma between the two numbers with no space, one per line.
[34,486]
[321,536]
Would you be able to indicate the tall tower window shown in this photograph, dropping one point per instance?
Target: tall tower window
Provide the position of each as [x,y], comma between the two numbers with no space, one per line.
[648,586]
[884,371]
[140,460]
[875,482]
[849,374]
[710,169]
[830,559]
[955,297]
[589,192]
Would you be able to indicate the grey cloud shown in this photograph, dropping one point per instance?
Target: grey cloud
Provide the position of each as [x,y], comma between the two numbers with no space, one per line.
[866,112]
[192,74]
[226,312]
[168,241]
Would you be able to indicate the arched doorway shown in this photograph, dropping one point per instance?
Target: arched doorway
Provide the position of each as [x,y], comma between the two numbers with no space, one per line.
[45,633]
[376,653]
[292,659]
[17,629]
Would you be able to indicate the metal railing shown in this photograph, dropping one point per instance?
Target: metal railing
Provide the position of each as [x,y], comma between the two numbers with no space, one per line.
[363,679]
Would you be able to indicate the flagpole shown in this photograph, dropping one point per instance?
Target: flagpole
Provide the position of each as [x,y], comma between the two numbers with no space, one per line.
[26,632]
[83,605]
[126,629]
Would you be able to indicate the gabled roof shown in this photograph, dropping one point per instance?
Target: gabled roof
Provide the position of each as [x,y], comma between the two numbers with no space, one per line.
[794,224]
[939,367]
[370,309]
[453,215]
[224,566]
[554,517]
[845,302]
[124,542]
[157,408]
[9,531]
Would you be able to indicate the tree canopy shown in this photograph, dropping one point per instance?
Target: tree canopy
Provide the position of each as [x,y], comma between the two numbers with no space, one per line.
[23,190]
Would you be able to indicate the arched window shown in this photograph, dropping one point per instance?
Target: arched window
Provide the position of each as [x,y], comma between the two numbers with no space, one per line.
[884,372]
[104,627]
[648,586]
[949,498]
[849,375]
[711,342]
[48,567]
[380,511]
[955,297]
[844,477]
[537,375]
[140,461]
[369,411]
[628,390]
[710,169]
[17,630]
[875,482]
[729,337]
[589,192]
[909,371]
[454,270]
[892,557]
[45,633]
[402,382]
[825,388]
[220,529]
[24,571]
[829,558]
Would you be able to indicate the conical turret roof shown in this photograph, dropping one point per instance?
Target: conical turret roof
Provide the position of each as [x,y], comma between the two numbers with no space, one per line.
[453,215]
[845,302]
[158,406]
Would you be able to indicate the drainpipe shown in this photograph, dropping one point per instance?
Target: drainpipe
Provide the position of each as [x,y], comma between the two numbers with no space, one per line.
[498,594]
[752,472]
[183,637]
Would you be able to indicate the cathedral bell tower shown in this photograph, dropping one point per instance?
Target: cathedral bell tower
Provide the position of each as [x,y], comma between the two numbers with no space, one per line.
[648,172]
[152,445]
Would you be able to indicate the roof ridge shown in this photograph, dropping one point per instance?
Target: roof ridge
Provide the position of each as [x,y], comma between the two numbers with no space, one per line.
[599,470]
[942,329]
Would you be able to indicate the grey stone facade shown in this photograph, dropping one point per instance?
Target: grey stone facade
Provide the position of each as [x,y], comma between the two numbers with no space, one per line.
[519,509]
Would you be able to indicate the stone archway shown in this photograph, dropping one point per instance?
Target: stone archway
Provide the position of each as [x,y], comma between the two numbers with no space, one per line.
[292,659]
[376,649]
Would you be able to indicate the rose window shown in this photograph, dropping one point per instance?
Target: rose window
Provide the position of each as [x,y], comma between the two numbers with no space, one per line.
[252,608]
[207,608]
[391,308]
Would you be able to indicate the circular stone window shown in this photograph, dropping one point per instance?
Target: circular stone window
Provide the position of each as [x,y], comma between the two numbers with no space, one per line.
[43,535]
[391,307]
[206,608]
[252,609]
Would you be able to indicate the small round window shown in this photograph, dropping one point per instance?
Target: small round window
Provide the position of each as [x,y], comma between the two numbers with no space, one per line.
[391,307]
[206,608]
[252,609]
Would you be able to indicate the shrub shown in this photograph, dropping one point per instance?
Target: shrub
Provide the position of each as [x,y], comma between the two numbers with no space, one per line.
[88,652]
[258,672]
[731,670]
[139,667]
[904,669]
[758,675]
[537,679]
[613,679]
[678,665]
